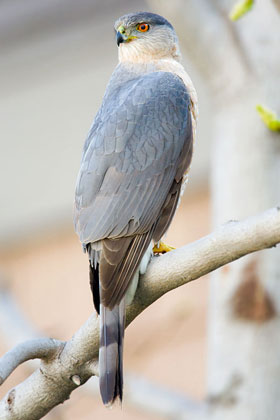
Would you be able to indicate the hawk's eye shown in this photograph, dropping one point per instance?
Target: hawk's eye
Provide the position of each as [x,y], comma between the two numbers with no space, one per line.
[143,27]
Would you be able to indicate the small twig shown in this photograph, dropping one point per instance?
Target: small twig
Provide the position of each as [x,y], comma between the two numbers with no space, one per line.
[40,348]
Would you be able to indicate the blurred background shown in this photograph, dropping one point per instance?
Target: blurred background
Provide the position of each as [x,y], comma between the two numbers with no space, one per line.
[56,59]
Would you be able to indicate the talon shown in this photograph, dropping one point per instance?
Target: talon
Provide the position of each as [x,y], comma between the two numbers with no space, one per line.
[162,248]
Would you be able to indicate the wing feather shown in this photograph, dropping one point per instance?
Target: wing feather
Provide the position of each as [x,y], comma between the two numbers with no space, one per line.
[136,154]
[115,278]
[117,175]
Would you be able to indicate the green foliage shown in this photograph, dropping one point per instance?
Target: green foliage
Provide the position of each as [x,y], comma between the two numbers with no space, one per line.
[240,8]
[269,118]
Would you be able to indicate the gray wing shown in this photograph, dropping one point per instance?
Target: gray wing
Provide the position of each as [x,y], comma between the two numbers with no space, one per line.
[139,144]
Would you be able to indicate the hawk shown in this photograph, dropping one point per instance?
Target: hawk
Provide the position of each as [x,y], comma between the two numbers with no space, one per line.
[133,168]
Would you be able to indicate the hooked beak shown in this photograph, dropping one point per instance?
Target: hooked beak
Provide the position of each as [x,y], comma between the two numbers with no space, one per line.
[123,35]
[119,38]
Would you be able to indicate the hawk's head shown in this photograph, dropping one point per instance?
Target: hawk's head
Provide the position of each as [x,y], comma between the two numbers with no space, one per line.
[145,36]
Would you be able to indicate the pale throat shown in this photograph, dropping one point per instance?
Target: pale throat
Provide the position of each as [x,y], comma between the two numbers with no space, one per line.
[133,52]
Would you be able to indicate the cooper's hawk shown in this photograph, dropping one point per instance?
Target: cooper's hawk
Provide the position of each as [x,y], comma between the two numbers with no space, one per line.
[133,168]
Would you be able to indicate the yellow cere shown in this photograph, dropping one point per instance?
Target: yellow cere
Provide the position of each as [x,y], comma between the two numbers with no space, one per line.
[126,37]
[121,29]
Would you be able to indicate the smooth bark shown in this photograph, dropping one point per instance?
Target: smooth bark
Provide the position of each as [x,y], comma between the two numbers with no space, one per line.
[66,366]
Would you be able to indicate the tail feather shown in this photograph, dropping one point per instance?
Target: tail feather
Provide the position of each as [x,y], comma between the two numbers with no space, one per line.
[112,324]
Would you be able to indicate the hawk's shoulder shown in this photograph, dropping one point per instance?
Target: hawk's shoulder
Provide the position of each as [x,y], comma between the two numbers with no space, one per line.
[132,156]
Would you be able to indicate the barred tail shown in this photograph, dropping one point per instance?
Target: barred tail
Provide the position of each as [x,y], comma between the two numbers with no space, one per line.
[112,324]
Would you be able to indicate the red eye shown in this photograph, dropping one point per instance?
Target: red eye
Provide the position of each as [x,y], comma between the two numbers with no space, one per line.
[143,27]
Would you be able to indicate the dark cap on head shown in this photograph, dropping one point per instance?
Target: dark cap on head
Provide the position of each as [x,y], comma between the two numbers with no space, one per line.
[138,17]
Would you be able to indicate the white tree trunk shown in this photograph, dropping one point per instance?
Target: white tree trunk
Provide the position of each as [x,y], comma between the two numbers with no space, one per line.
[240,65]
[244,339]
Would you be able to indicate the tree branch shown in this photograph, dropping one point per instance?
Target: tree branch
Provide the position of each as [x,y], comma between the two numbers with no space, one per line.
[40,348]
[15,328]
[140,393]
[76,362]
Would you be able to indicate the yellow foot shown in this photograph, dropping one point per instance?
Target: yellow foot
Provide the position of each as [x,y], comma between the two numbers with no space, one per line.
[162,248]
